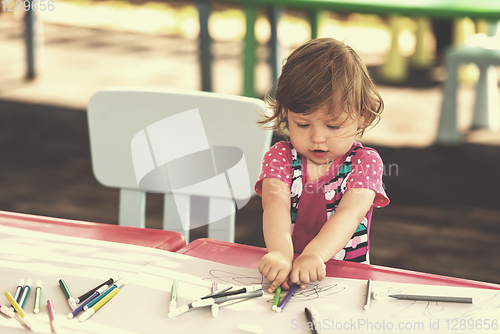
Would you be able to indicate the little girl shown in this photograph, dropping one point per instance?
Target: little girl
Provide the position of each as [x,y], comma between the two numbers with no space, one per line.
[319,189]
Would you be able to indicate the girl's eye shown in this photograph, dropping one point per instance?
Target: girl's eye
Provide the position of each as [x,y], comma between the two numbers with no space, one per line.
[333,127]
[302,125]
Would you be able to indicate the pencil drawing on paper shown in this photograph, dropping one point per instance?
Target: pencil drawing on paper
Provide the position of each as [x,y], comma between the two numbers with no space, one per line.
[316,291]
[312,290]
[227,277]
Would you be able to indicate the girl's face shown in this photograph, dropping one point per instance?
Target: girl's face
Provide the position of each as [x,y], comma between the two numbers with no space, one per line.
[321,137]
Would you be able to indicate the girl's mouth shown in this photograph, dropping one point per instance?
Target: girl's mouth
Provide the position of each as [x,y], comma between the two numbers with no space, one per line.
[319,153]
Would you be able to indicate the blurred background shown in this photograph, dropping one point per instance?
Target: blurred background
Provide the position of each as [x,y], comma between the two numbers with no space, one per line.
[444,216]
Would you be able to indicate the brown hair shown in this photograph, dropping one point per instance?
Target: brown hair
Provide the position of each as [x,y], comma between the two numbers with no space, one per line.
[324,71]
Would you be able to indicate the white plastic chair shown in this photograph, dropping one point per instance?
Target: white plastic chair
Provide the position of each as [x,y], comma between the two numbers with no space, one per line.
[196,147]
[486,55]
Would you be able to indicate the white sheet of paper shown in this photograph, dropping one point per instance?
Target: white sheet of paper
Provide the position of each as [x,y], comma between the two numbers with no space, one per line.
[142,304]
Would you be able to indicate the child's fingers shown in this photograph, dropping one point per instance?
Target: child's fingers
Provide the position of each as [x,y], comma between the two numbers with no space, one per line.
[269,271]
[300,276]
[272,287]
[264,267]
[294,276]
[277,280]
[304,277]
[263,270]
[313,276]
[288,284]
[322,274]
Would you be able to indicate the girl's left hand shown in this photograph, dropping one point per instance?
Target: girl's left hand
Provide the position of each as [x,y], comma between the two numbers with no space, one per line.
[308,267]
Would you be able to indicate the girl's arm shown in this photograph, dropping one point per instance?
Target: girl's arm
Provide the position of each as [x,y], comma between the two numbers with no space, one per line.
[333,236]
[277,226]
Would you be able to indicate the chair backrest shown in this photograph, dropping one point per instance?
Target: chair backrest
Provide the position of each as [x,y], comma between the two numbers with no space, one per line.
[181,143]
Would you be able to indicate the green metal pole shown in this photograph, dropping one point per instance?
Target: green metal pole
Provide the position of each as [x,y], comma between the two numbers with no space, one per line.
[30,39]
[314,19]
[274,13]
[205,43]
[250,48]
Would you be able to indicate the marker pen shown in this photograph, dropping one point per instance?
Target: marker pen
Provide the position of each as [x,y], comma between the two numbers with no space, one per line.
[96,300]
[310,320]
[218,300]
[235,292]
[91,291]
[180,310]
[467,300]
[38,295]
[285,300]
[65,289]
[173,298]
[218,292]
[7,311]
[368,294]
[20,316]
[52,315]
[215,307]
[91,311]
[277,295]
[314,313]
[19,290]
[86,301]
[24,295]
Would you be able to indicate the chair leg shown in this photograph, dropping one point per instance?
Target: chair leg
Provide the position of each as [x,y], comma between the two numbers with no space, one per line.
[395,67]
[448,133]
[132,208]
[176,214]
[422,59]
[224,228]
[486,111]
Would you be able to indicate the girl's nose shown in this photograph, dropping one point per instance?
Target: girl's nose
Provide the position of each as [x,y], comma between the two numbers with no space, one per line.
[318,136]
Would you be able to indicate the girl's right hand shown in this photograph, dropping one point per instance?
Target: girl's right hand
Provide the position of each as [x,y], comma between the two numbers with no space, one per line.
[275,267]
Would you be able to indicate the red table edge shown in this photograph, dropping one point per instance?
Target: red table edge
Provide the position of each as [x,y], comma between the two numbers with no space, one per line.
[152,238]
[249,256]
